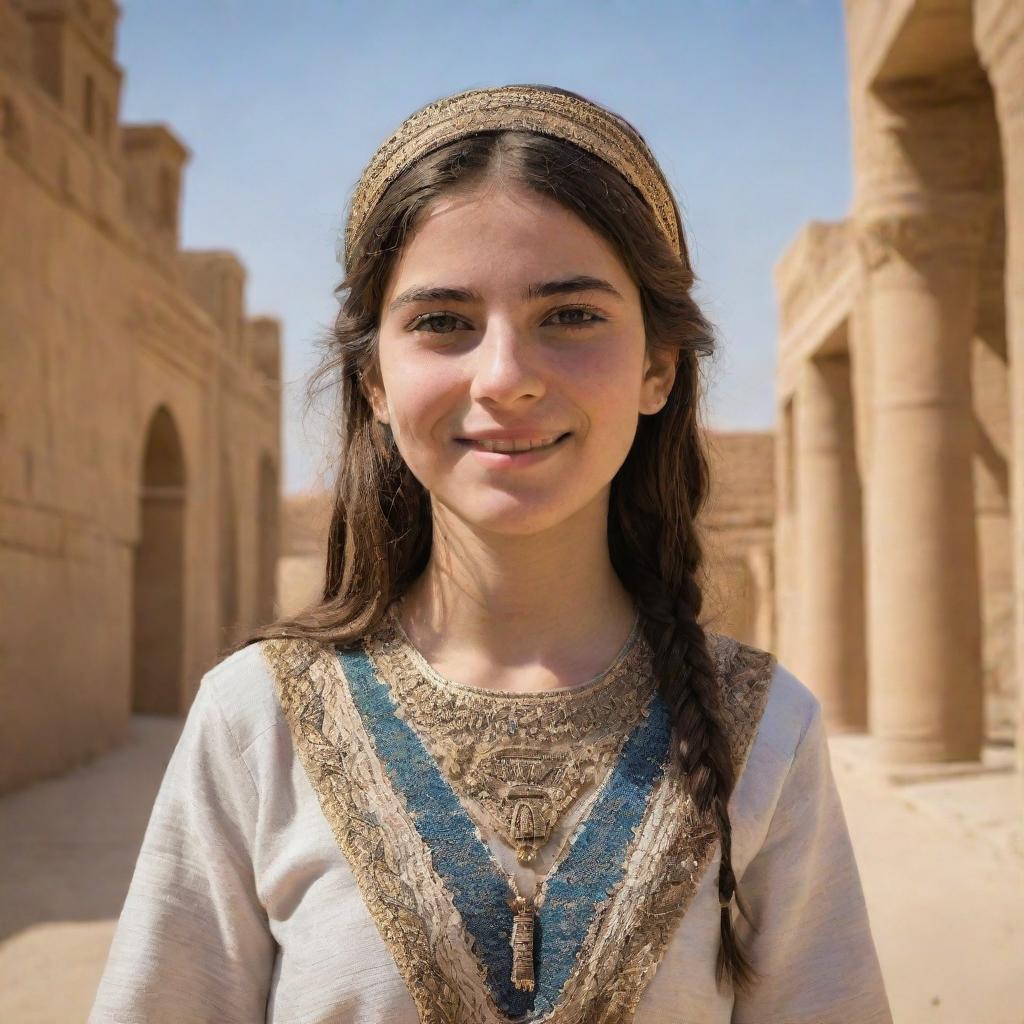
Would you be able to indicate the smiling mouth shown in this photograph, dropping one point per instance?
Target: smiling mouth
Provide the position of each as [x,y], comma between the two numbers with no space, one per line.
[513,447]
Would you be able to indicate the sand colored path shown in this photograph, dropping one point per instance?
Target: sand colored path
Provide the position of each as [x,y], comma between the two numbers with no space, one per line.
[947,906]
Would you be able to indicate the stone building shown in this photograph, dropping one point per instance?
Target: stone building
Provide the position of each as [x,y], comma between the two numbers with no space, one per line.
[139,411]
[900,511]
[305,522]
[739,537]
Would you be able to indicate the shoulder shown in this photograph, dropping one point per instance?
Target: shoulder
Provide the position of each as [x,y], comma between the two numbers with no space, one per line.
[240,691]
[258,688]
[763,701]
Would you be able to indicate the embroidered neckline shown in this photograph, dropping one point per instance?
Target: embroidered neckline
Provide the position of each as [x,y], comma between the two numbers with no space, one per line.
[442,682]
[518,765]
[586,872]
[377,831]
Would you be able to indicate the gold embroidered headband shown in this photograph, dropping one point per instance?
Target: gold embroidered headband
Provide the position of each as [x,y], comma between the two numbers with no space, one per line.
[529,107]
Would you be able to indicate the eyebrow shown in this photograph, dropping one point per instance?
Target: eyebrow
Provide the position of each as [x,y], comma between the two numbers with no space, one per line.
[543,290]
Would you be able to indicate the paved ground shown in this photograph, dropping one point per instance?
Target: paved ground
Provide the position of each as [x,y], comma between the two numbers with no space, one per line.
[942,864]
[940,855]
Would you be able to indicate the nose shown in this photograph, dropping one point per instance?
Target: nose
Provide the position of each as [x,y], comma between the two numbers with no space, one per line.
[506,367]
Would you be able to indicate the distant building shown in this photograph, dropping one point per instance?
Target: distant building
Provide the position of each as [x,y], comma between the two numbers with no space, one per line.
[900,516]
[139,411]
[301,568]
[740,537]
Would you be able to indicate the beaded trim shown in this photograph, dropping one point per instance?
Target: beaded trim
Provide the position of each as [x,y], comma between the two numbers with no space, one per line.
[519,107]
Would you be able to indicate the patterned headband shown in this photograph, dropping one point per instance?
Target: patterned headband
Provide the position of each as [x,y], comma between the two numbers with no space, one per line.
[529,107]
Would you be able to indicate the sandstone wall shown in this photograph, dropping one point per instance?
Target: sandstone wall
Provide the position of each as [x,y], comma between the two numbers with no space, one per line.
[131,418]
[897,542]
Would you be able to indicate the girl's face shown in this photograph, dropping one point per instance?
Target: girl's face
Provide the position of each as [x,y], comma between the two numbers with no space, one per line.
[508,323]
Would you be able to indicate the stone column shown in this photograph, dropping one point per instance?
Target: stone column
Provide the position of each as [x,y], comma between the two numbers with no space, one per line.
[992,459]
[831,655]
[924,621]
[760,564]
[999,36]
[786,531]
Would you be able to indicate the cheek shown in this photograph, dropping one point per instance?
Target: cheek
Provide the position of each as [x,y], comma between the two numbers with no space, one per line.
[606,382]
[422,398]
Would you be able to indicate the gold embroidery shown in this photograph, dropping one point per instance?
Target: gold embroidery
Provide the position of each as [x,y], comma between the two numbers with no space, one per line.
[524,758]
[389,861]
[522,943]
[665,860]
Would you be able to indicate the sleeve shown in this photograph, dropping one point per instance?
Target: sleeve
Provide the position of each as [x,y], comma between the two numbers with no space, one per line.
[192,944]
[811,941]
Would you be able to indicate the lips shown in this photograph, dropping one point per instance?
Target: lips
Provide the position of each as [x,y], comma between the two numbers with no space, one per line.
[510,445]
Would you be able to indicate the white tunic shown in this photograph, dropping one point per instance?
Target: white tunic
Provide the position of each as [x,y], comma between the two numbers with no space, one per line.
[243,908]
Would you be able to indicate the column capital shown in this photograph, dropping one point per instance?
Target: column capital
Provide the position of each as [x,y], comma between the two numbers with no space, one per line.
[950,232]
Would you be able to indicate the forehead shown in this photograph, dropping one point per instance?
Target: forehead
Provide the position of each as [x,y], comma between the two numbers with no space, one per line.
[502,235]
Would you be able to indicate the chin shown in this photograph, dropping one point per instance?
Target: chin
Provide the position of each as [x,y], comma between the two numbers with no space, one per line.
[511,518]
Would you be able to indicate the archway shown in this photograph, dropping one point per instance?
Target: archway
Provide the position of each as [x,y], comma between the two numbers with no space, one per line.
[159,573]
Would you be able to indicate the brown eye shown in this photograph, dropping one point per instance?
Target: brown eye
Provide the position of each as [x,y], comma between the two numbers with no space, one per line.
[593,317]
[445,320]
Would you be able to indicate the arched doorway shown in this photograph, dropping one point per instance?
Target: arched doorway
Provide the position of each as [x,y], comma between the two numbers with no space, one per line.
[159,573]
[267,525]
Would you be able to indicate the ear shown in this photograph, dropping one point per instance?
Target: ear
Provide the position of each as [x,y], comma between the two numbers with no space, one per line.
[373,389]
[660,366]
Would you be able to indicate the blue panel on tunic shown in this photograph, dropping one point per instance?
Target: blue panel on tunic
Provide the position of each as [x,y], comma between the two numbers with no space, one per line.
[480,891]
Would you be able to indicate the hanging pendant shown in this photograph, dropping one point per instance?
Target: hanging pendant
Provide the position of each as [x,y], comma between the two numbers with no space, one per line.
[522,944]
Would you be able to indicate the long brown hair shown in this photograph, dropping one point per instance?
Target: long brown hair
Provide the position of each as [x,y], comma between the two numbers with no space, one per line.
[380,532]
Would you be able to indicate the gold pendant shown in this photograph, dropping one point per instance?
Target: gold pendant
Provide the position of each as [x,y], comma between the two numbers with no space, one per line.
[522,944]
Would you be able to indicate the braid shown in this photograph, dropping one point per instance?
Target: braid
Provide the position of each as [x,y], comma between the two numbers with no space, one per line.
[659,561]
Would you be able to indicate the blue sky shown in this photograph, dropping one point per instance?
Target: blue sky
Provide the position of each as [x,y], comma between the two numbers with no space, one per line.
[282,104]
